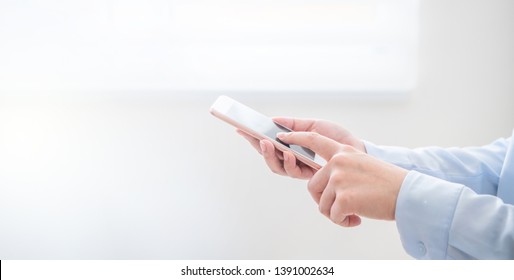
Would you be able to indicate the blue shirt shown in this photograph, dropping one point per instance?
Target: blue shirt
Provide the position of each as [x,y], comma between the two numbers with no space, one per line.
[455,203]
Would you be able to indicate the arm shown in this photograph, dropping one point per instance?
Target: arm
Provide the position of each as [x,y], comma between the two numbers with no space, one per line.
[476,167]
[436,219]
[442,220]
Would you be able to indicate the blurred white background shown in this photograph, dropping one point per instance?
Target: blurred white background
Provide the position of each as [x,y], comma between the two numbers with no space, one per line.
[146,174]
[185,45]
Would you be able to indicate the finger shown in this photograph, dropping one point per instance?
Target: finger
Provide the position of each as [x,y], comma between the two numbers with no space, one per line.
[326,201]
[323,146]
[284,121]
[340,215]
[271,158]
[252,140]
[351,221]
[290,166]
[295,123]
[279,154]
[295,168]
[318,183]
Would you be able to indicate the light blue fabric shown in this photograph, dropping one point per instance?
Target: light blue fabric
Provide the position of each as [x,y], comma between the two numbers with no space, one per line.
[455,203]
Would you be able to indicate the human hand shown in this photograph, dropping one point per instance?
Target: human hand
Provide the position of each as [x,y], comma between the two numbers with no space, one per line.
[285,163]
[352,183]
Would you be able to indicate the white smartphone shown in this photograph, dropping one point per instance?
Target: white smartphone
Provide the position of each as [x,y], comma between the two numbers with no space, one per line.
[261,127]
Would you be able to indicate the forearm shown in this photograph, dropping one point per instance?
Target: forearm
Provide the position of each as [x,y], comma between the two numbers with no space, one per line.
[476,167]
[442,220]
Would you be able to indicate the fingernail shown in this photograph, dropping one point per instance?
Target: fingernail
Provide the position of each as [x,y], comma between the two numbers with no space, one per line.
[281,135]
[263,147]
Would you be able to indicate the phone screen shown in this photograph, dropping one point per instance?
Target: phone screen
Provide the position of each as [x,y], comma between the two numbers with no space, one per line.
[264,125]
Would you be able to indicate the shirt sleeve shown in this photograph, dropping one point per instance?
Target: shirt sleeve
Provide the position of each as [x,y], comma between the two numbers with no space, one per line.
[438,219]
[475,167]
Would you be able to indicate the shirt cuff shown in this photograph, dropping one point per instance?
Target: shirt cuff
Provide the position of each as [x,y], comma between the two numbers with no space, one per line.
[424,214]
[399,156]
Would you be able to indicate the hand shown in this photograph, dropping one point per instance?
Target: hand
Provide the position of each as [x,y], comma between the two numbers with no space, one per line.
[352,183]
[286,163]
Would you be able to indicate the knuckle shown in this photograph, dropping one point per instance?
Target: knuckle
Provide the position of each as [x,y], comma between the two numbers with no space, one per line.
[292,174]
[339,160]
[337,178]
[334,217]
[347,149]
[312,187]
[344,222]
[325,210]
[344,199]
[276,171]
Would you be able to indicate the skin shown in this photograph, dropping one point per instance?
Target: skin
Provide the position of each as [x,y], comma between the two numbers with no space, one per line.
[350,185]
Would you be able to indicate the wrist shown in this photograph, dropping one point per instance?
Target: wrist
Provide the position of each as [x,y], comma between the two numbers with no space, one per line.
[396,187]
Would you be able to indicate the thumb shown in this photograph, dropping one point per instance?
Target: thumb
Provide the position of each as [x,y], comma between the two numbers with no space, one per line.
[296,124]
